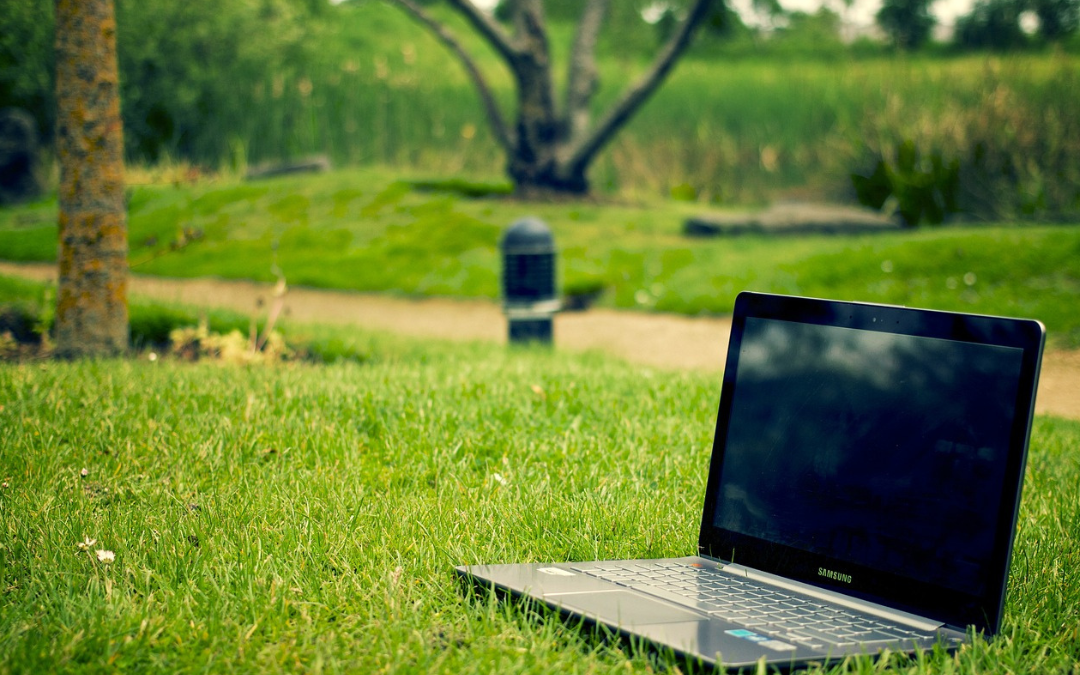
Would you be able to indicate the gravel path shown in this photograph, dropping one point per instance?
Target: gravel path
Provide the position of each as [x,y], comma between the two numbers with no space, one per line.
[659,340]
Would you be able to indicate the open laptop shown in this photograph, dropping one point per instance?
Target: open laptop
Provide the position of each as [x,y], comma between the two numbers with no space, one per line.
[862,493]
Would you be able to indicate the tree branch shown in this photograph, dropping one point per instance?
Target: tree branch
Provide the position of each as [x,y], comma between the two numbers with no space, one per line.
[583,79]
[486,26]
[495,118]
[532,67]
[581,152]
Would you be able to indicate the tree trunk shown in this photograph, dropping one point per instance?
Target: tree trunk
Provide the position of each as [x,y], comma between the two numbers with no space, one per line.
[548,151]
[533,157]
[91,304]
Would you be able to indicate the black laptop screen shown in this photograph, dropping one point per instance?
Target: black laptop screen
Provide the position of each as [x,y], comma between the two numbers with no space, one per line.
[883,450]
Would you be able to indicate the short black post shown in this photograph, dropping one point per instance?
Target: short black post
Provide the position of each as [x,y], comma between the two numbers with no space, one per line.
[528,283]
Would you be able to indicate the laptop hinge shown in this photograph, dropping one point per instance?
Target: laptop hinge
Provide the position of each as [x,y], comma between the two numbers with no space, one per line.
[895,615]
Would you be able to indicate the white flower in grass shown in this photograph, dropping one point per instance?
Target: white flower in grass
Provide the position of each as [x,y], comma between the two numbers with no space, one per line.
[86,543]
[105,556]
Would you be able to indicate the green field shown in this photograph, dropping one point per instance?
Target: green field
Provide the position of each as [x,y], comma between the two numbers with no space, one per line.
[306,518]
[366,230]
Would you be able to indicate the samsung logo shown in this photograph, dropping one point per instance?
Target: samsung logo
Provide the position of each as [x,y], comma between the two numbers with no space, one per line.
[835,576]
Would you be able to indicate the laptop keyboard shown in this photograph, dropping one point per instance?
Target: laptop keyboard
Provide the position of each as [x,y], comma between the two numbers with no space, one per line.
[790,616]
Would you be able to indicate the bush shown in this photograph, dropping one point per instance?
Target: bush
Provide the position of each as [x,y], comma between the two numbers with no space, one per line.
[992,24]
[151,324]
[26,311]
[187,69]
[18,323]
[1014,149]
[27,60]
[918,188]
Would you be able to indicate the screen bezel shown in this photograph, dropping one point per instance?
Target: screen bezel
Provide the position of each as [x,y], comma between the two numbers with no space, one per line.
[951,607]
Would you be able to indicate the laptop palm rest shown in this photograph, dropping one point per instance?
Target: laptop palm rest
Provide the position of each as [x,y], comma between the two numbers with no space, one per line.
[629,608]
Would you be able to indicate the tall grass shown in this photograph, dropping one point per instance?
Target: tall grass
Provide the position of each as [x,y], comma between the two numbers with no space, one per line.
[740,121]
[721,129]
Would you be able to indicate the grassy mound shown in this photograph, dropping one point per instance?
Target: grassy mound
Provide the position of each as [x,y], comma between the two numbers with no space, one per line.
[366,230]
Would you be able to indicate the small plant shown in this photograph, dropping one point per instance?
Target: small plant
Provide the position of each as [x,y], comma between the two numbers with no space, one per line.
[9,347]
[195,343]
[199,342]
[43,325]
[25,327]
[580,296]
[684,192]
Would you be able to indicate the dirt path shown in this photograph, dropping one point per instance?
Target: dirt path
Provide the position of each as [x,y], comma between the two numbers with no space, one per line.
[659,340]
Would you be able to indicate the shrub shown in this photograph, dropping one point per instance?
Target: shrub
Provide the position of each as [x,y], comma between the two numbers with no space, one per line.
[918,188]
[1006,153]
[187,68]
[152,324]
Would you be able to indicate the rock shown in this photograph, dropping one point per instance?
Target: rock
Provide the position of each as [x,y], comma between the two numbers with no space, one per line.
[792,218]
[317,164]
[702,227]
[19,176]
[579,301]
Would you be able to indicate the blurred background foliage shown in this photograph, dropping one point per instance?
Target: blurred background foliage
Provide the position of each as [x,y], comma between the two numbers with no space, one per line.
[185,67]
[775,105]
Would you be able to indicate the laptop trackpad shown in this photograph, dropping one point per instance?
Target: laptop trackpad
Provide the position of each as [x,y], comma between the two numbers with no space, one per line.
[624,608]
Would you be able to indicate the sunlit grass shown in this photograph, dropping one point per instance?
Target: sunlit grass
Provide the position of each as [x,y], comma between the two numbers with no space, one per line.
[366,230]
[299,517]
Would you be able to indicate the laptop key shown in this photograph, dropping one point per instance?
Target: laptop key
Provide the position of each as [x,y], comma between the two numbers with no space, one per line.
[728,615]
[787,624]
[875,636]
[810,633]
[791,618]
[813,643]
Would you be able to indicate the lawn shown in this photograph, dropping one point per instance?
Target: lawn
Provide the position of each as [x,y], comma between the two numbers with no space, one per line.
[372,230]
[306,518]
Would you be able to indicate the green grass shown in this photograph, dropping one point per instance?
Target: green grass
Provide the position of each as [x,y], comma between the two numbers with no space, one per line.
[365,230]
[306,518]
[21,293]
[27,311]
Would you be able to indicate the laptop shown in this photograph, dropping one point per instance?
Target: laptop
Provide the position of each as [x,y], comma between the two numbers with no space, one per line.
[862,493]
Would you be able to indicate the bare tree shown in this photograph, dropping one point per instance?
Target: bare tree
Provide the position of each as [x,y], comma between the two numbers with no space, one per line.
[549,149]
[91,304]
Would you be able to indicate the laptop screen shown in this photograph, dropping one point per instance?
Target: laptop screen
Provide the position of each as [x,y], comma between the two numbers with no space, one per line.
[866,455]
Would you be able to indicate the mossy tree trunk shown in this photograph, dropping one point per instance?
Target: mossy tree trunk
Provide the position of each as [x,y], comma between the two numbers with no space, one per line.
[91,311]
